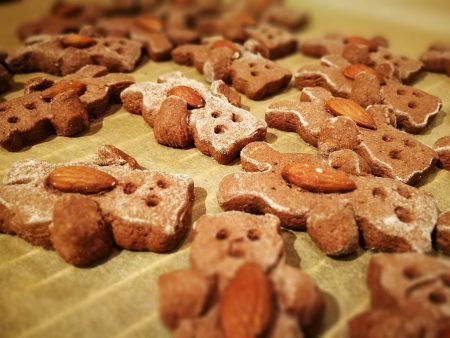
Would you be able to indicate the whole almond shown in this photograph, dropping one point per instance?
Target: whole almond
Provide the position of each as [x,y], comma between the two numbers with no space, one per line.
[61,87]
[77,41]
[191,96]
[357,40]
[81,179]
[247,303]
[149,24]
[353,70]
[344,107]
[317,178]
[225,43]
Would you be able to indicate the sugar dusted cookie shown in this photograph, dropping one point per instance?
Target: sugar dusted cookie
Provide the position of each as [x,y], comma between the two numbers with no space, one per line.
[366,85]
[389,215]
[237,272]
[370,133]
[442,147]
[183,111]
[65,107]
[437,58]
[65,54]
[139,209]
[409,298]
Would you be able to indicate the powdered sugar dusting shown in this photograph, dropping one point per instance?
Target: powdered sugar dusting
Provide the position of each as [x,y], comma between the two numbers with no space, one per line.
[218,124]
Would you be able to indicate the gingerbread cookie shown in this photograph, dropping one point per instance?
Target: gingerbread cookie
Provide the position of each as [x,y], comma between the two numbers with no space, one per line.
[281,16]
[140,209]
[443,232]
[387,151]
[63,18]
[258,77]
[65,54]
[183,111]
[442,147]
[249,73]
[437,58]
[409,298]
[5,74]
[238,283]
[371,52]
[389,215]
[65,107]
[270,41]
[413,107]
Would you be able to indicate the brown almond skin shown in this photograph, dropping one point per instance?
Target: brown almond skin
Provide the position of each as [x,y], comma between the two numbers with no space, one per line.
[353,70]
[357,40]
[246,305]
[225,43]
[317,179]
[81,179]
[149,24]
[60,87]
[191,96]
[78,41]
[344,107]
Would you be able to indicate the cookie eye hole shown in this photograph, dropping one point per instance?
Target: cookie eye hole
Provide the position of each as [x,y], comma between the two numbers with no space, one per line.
[403,214]
[163,184]
[30,106]
[254,73]
[120,50]
[394,154]
[378,192]
[129,188]
[411,272]
[387,56]
[404,192]
[387,138]
[270,36]
[417,94]
[215,114]
[412,105]
[268,67]
[252,64]
[253,234]
[401,92]
[409,143]
[437,297]
[222,234]
[236,118]
[13,119]
[219,129]
[152,201]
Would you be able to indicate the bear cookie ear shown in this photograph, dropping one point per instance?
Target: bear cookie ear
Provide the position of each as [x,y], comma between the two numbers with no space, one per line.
[402,304]
[437,58]
[238,282]
[305,193]
[58,196]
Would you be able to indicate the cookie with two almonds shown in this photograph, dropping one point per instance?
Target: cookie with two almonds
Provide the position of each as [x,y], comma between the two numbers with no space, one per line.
[342,129]
[414,108]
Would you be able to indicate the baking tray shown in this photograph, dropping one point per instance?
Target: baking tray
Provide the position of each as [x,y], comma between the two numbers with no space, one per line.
[41,296]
